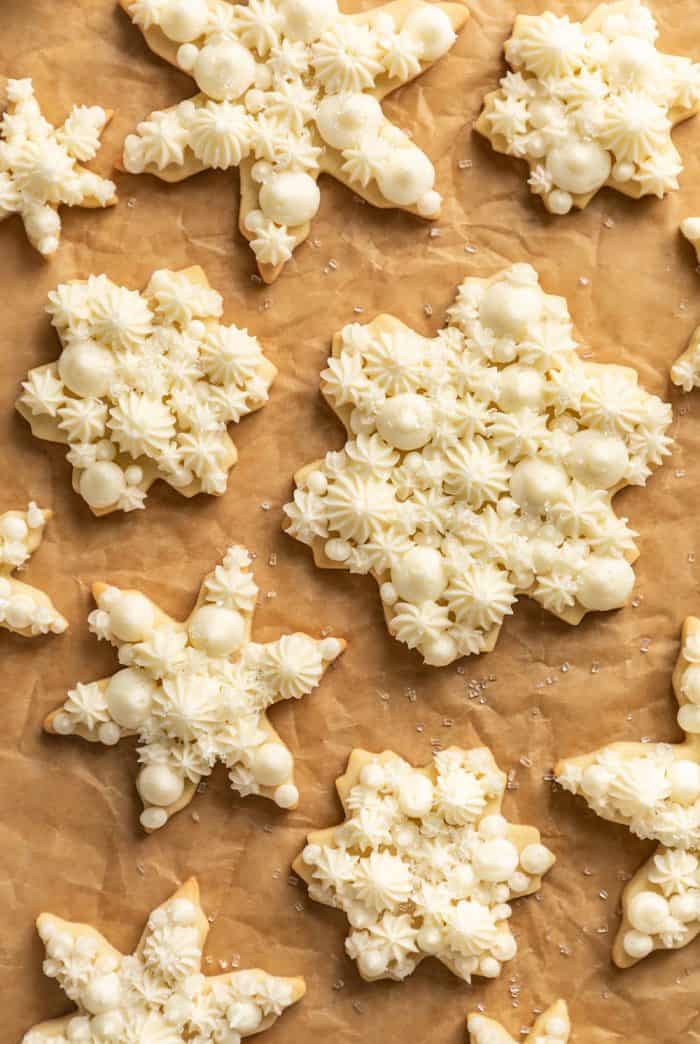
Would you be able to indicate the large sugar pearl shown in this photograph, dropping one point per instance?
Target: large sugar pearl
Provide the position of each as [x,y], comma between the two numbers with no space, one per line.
[306,20]
[535,484]
[272,764]
[371,963]
[648,912]
[406,176]
[290,198]
[131,617]
[631,60]
[536,859]
[184,20]
[416,796]
[129,696]
[637,945]
[86,368]
[406,421]
[14,529]
[520,388]
[430,939]
[244,1017]
[160,785]
[101,994]
[224,70]
[595,781]
[689,718]
[684,779]
[597,459]
[102,484]
[509,310]
[217,631]
[420,575]
[495,860]
[432,28]
[605,583]
[344,120]
[579,167]
[691,228]
[690,683]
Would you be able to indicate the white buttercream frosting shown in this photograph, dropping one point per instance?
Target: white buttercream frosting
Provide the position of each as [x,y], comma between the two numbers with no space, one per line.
[23,609]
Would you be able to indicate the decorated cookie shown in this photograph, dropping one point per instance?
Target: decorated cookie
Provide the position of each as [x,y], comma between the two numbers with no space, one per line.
[144,387]
[552,1027]
[479,465]
[41,166]
[157,995]
[654,790]
[195,692]
[591,103]
[288,90]
[24,610]
[424,864]
[685,371]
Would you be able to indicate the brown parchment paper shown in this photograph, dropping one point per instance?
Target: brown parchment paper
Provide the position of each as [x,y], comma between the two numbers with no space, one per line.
[69,835]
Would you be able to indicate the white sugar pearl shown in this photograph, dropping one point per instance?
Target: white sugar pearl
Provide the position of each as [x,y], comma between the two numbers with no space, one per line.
[519,883]
[372,775]
[690,683]
[520,388]
[559,202]
[623,171]
[345,120]
[217,631]
[224,70]
[86,368]
[495,860]
[337,550]
[430,939]
[184,20]
[14,528]
[160,785]
[690,228]
[306,20]
[102,994]
[109,733]
[102,484]
[597,459]
[535,484]
[492,827]
[595,781]
[432,28]
[153,818]
[371,963]
[504,947]
[420,575]
[187,56]
[63,725]
[489,967]
[637,945]
[648,912]
[388,594]
[406,421]
[290,198]
[536,859]
[416,795]
[131,617]
[105,450]
[272,764]
[108,1025]
[689,718]
[579,167]
[429,204]
[683,907]
[244,1017]
[129,695]
[509,310]
[684,779]
[405,176]
[133,475]
[317,483]
[605,583]
[286,796]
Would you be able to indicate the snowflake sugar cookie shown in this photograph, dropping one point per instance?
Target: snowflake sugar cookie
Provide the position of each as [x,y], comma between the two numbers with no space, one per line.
[654,789]
[590,104]
[157,995]
[23,609]
[195,692]
[41,168]
[424,864]
[685,371]
[552,1027]
[145,387]
[291,89]
[479,465]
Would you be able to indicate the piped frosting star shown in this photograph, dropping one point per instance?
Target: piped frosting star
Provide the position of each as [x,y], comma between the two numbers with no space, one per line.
[41,167]
[552,1027]
[145,387]
[424,864]
[654,790]
[479,465]
[288,90]
[591,103]
[157,995]
[197,692]
[685,371]
[24,610]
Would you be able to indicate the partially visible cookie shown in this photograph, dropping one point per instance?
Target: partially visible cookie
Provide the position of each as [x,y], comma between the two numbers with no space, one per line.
[41,167]
[24,610]
[685,371]
[591,103]
[158,995]
[424,864]
[145,387]
[552,1027]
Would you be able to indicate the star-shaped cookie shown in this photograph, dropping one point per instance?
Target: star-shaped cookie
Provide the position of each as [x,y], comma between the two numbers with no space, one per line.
[479,465]
[157,995]
[685,371]
[289,90]
[424,864]
[591,103]
[654,790]
[41,167]
[145,387]
[24,610]
[552,1027]
[195,692]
